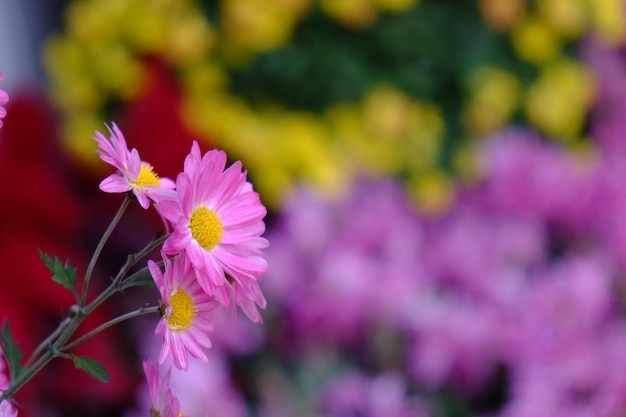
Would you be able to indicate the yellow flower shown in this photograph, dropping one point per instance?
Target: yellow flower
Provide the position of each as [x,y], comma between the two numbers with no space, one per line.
[568,18]
[432,191]
[558,100]
[494,95]
[257,25]
[534,41]
[394,5]
[387,113]
[190,40]
[502,14]
[353,13]
[608,20]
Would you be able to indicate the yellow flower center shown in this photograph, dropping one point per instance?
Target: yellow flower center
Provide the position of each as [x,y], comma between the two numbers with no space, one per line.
[181,311]
[146,176]
[206,227]
[154,412]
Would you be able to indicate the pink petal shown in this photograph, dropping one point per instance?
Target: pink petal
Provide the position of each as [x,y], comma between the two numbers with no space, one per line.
[114,183]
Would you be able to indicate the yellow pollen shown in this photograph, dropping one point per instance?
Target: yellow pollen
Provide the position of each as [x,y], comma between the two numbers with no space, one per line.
[181,311]
[206,227]
[147,176]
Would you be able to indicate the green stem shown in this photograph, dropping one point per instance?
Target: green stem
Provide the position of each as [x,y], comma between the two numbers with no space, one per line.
[101,243]
[139,312]
[115,285]
[48,340]
[55,343]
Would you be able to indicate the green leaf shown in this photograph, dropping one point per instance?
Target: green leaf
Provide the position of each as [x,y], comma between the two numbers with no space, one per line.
[64,274]
[11,351]
[92,367]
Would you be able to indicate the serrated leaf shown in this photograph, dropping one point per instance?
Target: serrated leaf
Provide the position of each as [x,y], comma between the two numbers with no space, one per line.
[92,367]
[64,274]
[11,350]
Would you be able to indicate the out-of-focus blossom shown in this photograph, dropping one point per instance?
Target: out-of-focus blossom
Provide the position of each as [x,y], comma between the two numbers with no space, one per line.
[7,409]
[494,96]
[4,374]
[164,403]
[566,17]
[608,20]
[186,321]
[206,388]
[502,15]
[258,25]
[4,99]
[534,40]
[558,100]
[362,395]
[341,269]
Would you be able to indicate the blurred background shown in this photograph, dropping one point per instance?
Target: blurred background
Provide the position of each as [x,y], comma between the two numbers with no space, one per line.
[444,182]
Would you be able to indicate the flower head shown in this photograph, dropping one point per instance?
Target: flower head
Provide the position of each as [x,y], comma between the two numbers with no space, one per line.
[133,174]
[164,403]
[4,99]
[218,221]
[187,311]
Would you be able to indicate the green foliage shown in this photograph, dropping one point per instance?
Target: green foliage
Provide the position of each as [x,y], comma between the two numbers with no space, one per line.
[64,274]
[92,367]
[426,52]
[11,351]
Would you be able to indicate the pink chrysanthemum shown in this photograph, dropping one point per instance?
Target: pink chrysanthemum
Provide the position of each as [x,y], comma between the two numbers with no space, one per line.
[133,173]
[164,403]
[218,221]
[187,311]
[4,99]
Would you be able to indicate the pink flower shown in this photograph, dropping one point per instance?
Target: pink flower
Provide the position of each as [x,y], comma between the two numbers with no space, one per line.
[186,320]
[133,173]
[7,409]
[164,403]
[218,221]
[4,99]
[4,378]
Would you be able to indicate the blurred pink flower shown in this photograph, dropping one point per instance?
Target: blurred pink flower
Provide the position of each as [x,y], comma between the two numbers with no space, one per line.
[4,99]
[218,222]
[164,403]
[186,320]
[133,173]
[7,409]
[378,396]
[206,388]
[336,271]
[4,374]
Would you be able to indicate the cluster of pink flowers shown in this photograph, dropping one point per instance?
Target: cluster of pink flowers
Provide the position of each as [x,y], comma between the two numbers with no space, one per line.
[212,258]
[511,300]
